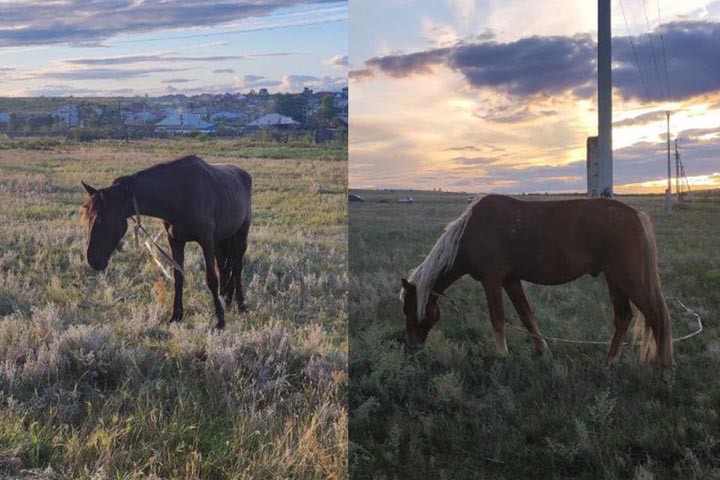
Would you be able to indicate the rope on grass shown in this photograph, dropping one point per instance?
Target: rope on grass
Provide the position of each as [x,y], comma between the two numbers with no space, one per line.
[596,342]
[697,331]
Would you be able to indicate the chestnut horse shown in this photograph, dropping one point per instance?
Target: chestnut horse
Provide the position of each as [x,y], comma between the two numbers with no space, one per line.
[500,242]
[198,202]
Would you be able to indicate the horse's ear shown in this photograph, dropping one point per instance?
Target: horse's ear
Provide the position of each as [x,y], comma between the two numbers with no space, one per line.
[409,287]
[88,188]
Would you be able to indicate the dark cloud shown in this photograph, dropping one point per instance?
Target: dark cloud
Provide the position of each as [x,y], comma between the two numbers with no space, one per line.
[37,22]
[404,64]
[562,64]
[223,70]
[691,49]
[361,74]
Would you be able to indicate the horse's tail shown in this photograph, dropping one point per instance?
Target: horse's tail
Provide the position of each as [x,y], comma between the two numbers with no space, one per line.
[653,335]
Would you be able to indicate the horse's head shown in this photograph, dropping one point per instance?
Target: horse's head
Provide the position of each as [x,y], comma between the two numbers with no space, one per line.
[417,329]
[105,213]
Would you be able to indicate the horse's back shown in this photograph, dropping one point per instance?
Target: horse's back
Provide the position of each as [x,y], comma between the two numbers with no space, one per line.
[222,192]
[551,241]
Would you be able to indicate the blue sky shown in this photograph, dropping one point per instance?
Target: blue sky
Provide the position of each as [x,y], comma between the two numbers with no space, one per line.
[151,47]
[499,95]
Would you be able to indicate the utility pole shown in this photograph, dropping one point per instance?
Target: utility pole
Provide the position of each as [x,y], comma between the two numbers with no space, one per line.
[678,184]
[605,158]
[668,192]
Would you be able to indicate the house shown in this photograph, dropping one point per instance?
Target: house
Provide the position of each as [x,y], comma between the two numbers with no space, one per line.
[273,120]
[226,115]
[67,115]
[184,122]
[138,118]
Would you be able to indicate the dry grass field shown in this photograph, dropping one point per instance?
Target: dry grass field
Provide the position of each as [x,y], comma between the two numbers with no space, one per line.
[94,383]
[451,410]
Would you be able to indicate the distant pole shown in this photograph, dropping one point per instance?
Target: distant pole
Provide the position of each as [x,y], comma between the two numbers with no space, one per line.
[668,192]
[605,163]
[677,174]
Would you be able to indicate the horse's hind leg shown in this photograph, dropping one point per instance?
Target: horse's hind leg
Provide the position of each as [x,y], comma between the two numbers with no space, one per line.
[211,278]
[493,293]
[622,316]
[225,267]
[178,254]
[516,293]
[240,246]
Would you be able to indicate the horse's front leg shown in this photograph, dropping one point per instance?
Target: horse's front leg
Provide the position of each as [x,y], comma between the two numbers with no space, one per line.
[516,293]
[178,253]
[493,293]
[211,278]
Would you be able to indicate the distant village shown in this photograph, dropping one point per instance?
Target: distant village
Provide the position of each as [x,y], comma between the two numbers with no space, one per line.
[324,115]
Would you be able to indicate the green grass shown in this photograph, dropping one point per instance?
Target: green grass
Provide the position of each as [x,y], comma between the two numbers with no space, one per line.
[94,383]
[250,147]
[452,410]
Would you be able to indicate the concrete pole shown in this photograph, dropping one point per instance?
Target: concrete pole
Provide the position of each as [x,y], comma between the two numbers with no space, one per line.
[605,164]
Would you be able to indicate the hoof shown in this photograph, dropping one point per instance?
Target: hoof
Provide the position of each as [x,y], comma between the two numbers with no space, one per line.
[502,354]
[176,316]
[542,355]
[612,362]
[242,307]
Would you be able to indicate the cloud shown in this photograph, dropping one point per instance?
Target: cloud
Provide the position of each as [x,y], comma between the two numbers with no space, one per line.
[178,80]
[296,83]
[474,160]
[249,82]
[37,22]
[567,64]
[641,119]
[512,113]
[213,44]
[99,73]
[361,74]
[223,70]
[338,61]
[66,90]
[163,57]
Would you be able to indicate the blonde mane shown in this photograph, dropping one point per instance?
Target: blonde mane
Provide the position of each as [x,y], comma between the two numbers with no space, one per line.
[439,260]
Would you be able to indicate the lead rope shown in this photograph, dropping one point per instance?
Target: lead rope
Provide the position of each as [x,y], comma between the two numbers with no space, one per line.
[139,227]
[586,342]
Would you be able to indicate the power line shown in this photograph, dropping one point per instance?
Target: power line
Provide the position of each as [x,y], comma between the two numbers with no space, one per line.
[662,42]
[637,62]
[652,47]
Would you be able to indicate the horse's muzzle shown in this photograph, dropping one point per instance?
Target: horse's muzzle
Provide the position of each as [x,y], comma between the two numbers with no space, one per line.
[414,340]
[97,263]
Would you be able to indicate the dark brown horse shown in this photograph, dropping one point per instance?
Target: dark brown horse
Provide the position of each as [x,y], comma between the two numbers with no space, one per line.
[501,242]
[198,202]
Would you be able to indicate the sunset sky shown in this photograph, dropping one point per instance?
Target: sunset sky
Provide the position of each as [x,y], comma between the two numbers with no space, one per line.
[499,96]
[128,47]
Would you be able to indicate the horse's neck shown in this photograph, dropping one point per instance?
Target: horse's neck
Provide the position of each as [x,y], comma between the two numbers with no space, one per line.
[152,200]
[447,278]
